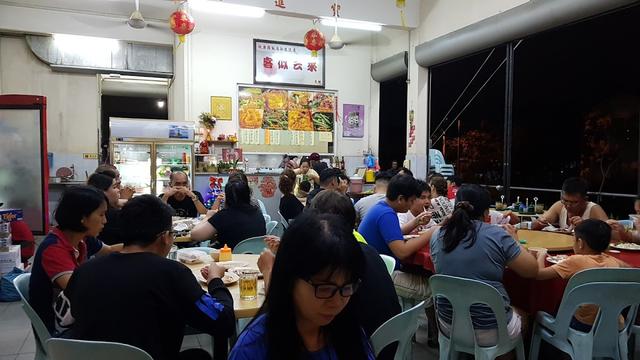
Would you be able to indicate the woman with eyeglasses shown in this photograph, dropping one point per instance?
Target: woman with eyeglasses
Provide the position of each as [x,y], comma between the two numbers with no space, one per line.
[307,313]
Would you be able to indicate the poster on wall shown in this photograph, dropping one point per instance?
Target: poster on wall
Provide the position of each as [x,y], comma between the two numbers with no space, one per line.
[353,121]
[284,63]
[221,107]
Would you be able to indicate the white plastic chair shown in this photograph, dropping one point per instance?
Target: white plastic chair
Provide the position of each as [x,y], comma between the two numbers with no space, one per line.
[271,225]
[389,262]
[40,331]
[283,221]
[67,349]
[400,329]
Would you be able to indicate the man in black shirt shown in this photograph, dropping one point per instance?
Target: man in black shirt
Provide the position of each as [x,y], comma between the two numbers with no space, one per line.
[141,298]
[179,196]
[329,180]
[317,164]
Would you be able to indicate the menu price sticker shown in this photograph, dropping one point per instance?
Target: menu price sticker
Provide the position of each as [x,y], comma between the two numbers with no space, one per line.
[250,136]
[310,138]
[275,137]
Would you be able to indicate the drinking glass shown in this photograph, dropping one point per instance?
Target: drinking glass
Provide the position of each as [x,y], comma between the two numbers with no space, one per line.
[248,285]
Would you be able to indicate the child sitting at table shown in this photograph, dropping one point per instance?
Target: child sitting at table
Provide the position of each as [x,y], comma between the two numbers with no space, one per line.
[591,240]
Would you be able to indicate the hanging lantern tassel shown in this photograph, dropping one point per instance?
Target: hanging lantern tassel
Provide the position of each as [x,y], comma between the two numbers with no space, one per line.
[400,4]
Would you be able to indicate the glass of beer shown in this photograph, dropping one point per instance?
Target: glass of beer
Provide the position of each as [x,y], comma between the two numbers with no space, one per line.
[248,285]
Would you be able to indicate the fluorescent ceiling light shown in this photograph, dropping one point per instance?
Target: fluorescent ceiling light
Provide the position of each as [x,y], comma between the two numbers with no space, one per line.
[351,24]
[84,44]
[224,8]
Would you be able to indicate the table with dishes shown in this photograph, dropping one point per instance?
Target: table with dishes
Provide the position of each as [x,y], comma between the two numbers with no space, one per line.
[532,295]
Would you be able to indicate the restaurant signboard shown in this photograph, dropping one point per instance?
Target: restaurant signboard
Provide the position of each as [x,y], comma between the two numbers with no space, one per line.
[284,63]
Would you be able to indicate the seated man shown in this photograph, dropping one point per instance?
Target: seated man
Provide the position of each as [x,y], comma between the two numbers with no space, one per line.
[363,205]
[179,196]
[572,208]
[418,218]
[329,180]
[141,298]
[381,228]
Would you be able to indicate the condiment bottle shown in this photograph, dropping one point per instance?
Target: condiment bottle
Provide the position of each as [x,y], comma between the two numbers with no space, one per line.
[225,253]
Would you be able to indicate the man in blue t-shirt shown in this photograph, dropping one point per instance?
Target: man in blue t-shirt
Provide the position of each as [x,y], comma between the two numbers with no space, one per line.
[381,227]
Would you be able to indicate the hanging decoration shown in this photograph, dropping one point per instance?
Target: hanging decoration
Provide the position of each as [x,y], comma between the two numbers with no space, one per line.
[181,23]
[280,4]
[314,41]
[400,4]
[336,42]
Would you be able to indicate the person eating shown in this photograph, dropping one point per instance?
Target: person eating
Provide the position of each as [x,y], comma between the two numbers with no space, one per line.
[110,234]
[305,173]
[573,208]
[417,218]
[179,196]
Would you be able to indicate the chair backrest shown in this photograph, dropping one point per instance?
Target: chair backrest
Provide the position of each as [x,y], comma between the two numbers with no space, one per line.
[253,245]
[389,262]
[602,275]
[262,207]
[399,328]
[283,221]
[42,334]
[271,225]
[462,293]
[611,298]
[67,349]
[267,217]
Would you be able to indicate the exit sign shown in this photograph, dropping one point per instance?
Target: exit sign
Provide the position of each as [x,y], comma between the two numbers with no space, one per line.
[91,156]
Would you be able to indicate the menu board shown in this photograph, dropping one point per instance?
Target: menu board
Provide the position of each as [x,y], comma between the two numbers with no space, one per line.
[286,121]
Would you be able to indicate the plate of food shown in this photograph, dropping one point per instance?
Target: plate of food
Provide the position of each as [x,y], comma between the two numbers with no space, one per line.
[322,102]
[322,121]
[232,264]
[626,246]
[555,259]
[228,278]
[275,120]
[275,99]
[251,118]
[248,269]
[189,256]
[300,120]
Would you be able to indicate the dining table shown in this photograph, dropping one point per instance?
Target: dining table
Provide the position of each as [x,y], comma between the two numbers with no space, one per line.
[242,308]
[531,295]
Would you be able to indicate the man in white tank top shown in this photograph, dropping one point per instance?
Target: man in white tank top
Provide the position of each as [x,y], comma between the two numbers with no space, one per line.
[572,209]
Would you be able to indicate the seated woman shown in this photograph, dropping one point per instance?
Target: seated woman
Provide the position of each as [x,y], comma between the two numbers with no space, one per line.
[238,220]
[465,246]
[441,206]
[81,217]
[110,234]
[307,313]
[306,173]
[290,207]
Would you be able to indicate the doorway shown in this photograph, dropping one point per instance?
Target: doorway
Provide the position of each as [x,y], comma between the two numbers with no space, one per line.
[392,143]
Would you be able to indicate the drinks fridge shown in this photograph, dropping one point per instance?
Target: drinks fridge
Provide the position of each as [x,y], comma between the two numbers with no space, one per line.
[147,151]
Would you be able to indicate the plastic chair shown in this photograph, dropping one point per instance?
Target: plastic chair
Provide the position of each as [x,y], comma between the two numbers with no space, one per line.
[389,262]
[271,225]
[40,331]
[462,293]
[253,245]
[612,290]
[267,217]
[67,349]
[283,221]
[400,329]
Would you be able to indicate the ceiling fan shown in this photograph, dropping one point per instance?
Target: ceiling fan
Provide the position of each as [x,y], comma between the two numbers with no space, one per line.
[136,20]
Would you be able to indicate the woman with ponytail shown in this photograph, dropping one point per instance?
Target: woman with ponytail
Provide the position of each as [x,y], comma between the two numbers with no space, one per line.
[467,247]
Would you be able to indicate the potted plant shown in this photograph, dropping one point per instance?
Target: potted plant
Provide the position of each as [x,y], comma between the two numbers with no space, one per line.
[208,122]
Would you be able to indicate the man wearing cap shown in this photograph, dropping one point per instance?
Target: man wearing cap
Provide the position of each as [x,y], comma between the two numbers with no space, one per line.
[329,180]
[316,164]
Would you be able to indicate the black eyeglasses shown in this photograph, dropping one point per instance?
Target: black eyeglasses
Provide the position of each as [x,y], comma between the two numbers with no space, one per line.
[327,291]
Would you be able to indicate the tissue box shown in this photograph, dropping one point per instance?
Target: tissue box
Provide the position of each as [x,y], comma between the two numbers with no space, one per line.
[9,215]
[10,259]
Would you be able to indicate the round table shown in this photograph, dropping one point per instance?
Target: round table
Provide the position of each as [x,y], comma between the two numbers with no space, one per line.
[552,241]
[242,308]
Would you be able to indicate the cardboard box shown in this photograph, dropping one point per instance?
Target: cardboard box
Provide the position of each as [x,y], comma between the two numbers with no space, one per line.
[10,259]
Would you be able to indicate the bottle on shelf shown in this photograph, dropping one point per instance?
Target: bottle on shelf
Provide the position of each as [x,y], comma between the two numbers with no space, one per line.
[342,163]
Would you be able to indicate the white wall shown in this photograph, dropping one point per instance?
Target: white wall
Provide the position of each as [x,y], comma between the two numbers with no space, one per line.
[437,18]
[219,57]
[72,102]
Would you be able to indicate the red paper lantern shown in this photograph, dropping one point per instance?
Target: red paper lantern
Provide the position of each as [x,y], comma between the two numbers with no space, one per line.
[314,41]
[181,23]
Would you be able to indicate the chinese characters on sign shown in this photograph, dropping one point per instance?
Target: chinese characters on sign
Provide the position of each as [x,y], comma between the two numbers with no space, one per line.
[287,63]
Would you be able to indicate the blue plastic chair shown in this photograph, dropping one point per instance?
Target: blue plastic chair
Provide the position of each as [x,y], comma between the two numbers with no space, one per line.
[267,217]
[389,262]
[400,329]
[253,245]
[271,225]
[40,331]
[283,221]
[263,209]
[67,349]
[612,290]
[462,293]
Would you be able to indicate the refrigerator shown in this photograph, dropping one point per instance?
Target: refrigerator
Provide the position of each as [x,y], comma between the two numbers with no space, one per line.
[147,151]
[24,167]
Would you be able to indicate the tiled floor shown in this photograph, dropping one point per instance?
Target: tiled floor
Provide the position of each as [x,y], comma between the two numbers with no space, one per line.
[17,342]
